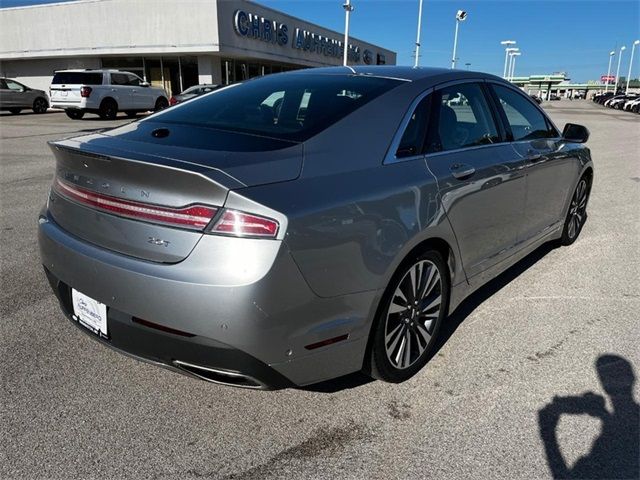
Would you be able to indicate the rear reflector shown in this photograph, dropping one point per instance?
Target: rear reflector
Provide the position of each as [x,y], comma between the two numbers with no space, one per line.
[329,341]
[194,217]
[242,224]
[162,328]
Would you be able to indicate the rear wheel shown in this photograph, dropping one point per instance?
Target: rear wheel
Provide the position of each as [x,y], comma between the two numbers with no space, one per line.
[108,109]
[409,319]
[74,114]
[577,214]
[15,111]
[40,105]
[161,104]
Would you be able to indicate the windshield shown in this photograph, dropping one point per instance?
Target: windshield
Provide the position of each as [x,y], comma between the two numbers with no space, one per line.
[289,107]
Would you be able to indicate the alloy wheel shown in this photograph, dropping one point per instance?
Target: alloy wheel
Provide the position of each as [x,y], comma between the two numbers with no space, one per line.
[413,314]
[40,105]
[577,209]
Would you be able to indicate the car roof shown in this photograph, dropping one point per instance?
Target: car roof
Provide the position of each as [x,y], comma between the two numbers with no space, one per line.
[398,72]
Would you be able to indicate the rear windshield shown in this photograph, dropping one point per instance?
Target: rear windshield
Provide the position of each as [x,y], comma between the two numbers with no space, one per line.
[289,107]
[77,78]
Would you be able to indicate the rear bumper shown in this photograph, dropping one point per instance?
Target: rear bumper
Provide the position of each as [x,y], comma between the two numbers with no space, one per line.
[258,329]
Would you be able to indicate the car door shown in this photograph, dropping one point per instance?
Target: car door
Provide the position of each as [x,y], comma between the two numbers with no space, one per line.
[13,94]
[550,169]
[141,97]
[121,91]
[480,180]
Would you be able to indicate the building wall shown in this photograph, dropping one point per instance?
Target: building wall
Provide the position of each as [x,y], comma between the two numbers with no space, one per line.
[108,27]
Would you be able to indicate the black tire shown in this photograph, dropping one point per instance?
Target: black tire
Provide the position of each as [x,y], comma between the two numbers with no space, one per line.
[131,114]
[108,109]
[40,105]
[15,111]
[577,214]
[161,104]
[405,330]
[74,114]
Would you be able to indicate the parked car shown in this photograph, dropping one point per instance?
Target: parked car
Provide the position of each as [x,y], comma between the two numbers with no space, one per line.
[104,92]
[536,98]
[634,106]
[193,92]
[240,240]
[553,97]
[15,97]
[613,100]
[603,97]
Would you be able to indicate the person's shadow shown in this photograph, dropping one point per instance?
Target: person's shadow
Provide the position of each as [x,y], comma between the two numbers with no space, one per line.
[616,452]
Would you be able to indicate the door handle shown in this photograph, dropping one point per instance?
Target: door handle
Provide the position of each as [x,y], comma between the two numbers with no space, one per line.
[462,171]
[534,156]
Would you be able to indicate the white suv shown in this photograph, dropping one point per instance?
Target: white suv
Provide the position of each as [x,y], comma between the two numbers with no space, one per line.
[105,92]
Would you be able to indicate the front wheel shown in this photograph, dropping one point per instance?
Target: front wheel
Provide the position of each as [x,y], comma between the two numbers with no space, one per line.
[409,319]
[161,104]
[577,214]
[40,105]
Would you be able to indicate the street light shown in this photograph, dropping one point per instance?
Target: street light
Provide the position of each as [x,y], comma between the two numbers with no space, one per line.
[622,49]
[633,50]
[467,65]
[507,44]
[606,86]
[513,64]
[418,34]
[348,8]
[461,16]
[510,52]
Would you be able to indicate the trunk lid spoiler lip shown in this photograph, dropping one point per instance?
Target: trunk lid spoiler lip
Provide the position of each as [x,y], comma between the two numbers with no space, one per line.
[108,154]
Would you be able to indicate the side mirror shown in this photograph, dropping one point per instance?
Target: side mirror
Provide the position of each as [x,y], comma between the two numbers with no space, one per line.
[145,84]
[575,133]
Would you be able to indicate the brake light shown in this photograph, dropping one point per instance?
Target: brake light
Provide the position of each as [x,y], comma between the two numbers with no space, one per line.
[194,217]
[172,100]
[85,92]
[243,224]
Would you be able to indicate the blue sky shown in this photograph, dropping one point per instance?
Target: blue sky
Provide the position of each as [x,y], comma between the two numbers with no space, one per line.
[561,35]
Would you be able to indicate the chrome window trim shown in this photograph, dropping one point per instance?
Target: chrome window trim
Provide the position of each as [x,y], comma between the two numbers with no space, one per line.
[465,149]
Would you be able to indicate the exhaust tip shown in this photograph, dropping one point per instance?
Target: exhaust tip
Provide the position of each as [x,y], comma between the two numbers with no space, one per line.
[222,377]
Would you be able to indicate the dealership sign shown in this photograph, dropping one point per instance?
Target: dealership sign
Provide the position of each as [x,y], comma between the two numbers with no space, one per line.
[608,79]
[250,25]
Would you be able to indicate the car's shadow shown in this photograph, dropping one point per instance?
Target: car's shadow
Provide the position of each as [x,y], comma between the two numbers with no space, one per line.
[451,324]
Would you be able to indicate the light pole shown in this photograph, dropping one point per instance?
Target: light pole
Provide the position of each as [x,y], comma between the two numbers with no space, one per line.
[611,55]
[622,49]
[633,50]
[513,64]
[418,34]
[461,16]
[348,8]
[507,44]
[510,53]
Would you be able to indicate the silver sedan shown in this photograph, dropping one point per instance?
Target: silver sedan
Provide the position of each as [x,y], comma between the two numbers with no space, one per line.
[306,225]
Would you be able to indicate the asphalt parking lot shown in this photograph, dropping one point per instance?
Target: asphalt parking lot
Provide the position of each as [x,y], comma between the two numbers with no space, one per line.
[72,408]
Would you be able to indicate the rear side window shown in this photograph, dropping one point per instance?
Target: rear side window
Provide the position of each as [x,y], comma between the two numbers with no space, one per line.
[77,78]
[414,134]
[524,118]
[463,119]
[289,107]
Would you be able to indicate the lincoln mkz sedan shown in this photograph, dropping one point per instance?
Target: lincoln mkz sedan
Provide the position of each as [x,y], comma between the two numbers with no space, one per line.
[303,226]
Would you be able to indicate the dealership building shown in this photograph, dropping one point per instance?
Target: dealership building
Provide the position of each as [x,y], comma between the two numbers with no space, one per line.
[170,43]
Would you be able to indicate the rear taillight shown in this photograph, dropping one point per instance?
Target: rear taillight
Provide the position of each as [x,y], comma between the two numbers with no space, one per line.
[194,217]
[240,224]
[85,92]
[173,101]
